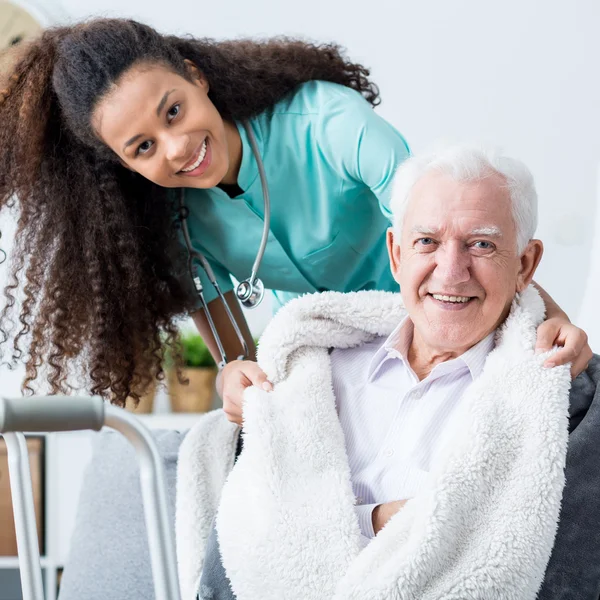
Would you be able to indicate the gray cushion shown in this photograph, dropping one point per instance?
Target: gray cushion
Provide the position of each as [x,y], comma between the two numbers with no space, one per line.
[109,556]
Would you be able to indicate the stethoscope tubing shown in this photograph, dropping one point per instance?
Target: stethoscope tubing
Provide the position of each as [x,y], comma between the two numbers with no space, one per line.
[192,253]
[251,281]
[266,200]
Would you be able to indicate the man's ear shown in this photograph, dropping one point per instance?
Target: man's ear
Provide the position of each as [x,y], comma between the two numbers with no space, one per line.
[196,75]
[530,259]
[394,252]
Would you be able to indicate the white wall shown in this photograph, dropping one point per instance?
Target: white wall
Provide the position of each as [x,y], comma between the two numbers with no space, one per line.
[520,73]
[589,308]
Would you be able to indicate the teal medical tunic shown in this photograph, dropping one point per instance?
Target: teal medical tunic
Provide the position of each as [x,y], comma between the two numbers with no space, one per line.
[329,161]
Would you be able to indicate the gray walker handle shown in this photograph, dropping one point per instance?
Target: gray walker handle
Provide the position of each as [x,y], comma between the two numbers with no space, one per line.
[68,413]
[51,413]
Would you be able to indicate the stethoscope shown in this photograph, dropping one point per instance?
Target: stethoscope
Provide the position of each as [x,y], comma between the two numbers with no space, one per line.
[249,292]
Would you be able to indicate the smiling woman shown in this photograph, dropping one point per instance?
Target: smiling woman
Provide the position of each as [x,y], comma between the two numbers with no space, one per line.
[92,141]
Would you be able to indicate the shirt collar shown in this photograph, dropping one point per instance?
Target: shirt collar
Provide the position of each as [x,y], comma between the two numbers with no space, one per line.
[476,356]
[396,346]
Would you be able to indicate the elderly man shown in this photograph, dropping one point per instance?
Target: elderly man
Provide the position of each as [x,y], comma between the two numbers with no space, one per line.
[413,446]
[459,258]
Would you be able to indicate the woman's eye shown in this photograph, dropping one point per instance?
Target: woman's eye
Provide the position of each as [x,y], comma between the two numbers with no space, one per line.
[173,111]
[144,147]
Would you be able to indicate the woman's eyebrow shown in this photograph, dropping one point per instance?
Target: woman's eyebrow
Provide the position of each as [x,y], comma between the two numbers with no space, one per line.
[130,141]
[163,101]
[159,108]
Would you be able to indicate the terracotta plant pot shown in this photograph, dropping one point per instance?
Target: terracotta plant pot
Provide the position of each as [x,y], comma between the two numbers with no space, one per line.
[198,395]
[146,404]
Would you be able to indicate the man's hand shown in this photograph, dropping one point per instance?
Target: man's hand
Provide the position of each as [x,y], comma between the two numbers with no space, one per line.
[382,513]
[235,377]
[559,331]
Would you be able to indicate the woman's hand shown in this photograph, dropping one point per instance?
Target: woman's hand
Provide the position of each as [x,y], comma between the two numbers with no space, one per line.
[235,377]
[559,331]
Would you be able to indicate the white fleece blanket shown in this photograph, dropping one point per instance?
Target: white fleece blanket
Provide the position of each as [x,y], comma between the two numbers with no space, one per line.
[483,528]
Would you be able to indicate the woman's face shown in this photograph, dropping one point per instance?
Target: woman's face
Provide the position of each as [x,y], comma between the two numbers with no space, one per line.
[166,128]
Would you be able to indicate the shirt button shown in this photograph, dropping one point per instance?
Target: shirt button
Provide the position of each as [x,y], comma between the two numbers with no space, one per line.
[389,452]
[359,500]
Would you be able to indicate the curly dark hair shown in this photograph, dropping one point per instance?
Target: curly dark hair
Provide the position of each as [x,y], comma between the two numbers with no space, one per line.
[96,275]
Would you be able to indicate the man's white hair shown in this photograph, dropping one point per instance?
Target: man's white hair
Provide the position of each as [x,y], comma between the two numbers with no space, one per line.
[471,163]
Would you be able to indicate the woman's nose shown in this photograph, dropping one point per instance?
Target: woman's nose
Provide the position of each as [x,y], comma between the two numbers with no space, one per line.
[176,147]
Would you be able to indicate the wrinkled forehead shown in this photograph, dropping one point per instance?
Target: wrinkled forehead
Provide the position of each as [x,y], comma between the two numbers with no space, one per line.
[439,203]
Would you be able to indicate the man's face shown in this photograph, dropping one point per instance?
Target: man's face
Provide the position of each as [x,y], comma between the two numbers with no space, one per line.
[457,262]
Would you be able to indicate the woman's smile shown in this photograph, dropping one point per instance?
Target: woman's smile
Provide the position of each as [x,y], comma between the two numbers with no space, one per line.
[200,161]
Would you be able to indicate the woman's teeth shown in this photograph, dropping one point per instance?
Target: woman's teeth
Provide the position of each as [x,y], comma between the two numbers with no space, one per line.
[198,160]
[451,298]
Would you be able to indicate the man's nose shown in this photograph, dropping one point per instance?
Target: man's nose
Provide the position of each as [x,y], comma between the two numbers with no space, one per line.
[453,263]
[177,147]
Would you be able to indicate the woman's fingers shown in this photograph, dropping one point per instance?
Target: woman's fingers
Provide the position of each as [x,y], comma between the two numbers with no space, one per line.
[256,376]
[573,342]
[580,364]
[578,356]
[546,336]
[237,376]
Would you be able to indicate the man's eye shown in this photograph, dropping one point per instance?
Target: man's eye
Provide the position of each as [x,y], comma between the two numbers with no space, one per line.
[482,245]
[144,147]
[173,111]
[425,241]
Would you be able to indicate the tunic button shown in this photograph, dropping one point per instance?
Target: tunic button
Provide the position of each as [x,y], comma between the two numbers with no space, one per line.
[389,452]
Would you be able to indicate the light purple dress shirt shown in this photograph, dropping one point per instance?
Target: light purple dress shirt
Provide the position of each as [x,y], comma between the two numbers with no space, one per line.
[393,422]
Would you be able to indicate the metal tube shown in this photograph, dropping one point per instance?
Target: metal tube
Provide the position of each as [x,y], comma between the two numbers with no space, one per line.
[153,480]
[24,516]
[192,253]
[266,199]
[51,413]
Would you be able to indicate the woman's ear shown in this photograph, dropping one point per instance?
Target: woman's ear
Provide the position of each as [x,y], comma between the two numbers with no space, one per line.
[196,75]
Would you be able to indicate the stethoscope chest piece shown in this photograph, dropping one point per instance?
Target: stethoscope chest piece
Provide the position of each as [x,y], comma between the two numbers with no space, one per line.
[250,292]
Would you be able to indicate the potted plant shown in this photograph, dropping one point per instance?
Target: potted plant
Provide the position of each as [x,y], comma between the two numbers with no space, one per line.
[145,404]
[196,390]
